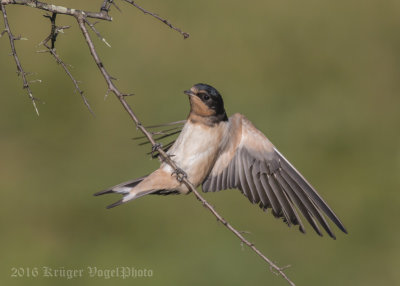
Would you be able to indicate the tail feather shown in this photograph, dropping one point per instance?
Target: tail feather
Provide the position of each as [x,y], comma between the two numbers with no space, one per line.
[128,197]
[115,204]
[121,188]
[124,189]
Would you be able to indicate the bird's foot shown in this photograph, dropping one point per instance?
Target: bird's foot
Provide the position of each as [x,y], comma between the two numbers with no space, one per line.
[155,148]
[180,174]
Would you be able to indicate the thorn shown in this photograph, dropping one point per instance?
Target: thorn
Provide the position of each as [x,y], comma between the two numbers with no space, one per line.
[245,231]
[20,38]
[36,109]
[43,51]
[128,94]
[106,95]
[105,41]
[43,42]
[36,99]
[273,271]
[36,80]
[285,267]
[115,5]
[113,78]
[2,33]
[97,32]
[63,27]
[34,103]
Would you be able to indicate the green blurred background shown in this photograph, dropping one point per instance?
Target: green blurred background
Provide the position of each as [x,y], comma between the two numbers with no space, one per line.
[320,78]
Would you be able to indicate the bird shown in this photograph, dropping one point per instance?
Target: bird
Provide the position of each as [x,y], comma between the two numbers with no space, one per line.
[220,152]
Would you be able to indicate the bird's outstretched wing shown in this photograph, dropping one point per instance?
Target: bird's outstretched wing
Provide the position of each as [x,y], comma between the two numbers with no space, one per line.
[252,164]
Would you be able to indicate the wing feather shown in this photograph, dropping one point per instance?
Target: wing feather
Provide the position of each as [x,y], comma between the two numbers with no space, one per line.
[303,209]
[274,201]
[311,192]
[311,207]
[249,178]
[231,175]
[243,180]
[224,181]
[252,164]
[265,203]
[293,200]
[281,199]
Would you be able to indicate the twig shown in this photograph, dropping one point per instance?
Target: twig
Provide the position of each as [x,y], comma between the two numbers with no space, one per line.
[20,70]
[97,32]
[51,49]
[103,15]
[163,155]
[165,21]
[241,237]
[106,6]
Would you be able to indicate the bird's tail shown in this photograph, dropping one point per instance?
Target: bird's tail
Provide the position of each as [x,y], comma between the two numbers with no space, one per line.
[125,190]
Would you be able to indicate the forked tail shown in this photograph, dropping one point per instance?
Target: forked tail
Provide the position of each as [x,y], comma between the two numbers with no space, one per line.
[124,189]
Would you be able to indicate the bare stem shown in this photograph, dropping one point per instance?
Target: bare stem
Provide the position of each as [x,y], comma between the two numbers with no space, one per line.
[51,49]
[165,21]
[20,70]
[164,156]
[279,270]
[103,15]
[97,32]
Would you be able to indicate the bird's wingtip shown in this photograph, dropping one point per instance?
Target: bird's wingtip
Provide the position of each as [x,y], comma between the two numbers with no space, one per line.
[342,228]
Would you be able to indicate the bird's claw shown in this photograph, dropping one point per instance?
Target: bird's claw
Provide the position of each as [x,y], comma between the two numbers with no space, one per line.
[180,174]
[155,148]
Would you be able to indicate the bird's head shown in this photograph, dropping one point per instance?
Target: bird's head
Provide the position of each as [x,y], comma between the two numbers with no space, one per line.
[206,101]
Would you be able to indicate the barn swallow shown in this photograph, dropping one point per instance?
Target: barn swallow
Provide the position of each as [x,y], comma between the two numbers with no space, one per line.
[222,153]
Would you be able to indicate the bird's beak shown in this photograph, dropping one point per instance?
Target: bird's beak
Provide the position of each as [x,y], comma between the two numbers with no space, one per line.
[188,92]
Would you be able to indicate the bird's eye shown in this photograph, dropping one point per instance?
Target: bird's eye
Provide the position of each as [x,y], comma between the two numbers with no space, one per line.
[206,97]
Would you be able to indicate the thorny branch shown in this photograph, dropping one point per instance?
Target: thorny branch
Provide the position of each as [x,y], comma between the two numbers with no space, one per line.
[103,15]
[97,32]
[184,34]
[20,70]
[51,49]
[81,17]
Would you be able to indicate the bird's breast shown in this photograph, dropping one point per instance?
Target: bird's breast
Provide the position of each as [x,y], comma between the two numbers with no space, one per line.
[197,148]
